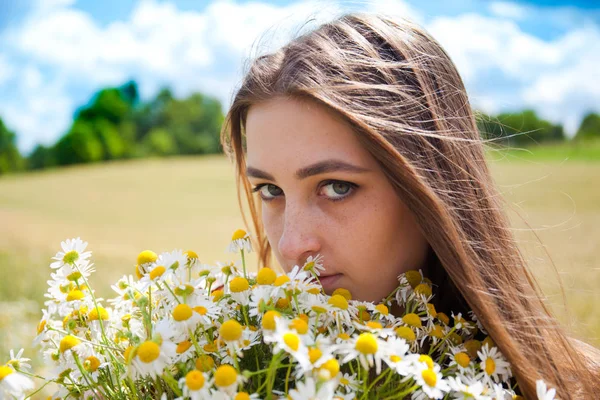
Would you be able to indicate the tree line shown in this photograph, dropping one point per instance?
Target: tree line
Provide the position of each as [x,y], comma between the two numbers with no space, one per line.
[116,125]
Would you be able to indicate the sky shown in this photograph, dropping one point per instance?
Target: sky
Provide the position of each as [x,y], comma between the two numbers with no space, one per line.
[55,54]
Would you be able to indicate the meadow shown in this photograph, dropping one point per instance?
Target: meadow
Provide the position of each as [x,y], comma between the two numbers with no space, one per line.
[122,208]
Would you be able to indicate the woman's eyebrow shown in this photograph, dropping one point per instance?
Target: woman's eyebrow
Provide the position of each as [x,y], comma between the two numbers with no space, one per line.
[320,167]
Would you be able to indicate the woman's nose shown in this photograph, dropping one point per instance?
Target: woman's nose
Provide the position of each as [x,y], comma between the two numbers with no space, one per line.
[299,238]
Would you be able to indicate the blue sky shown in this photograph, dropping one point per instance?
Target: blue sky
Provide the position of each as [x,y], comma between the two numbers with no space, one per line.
[54,54]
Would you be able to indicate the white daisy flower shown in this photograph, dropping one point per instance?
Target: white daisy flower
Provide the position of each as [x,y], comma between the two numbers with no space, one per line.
[349,381]
[73,250]
[462,391]
[18,362]
[543,392]
[13,384]
[494,366]
[314,264]
[289,341]
[431,382]
[240,241]
[151,358]
[195,385]
[367,347]
[227,379]
[310,389]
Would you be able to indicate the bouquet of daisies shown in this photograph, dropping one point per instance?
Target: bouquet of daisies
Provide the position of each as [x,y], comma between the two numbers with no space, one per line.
[182,329]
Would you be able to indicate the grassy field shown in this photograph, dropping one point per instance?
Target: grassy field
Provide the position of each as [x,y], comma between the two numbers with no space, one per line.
[122,208]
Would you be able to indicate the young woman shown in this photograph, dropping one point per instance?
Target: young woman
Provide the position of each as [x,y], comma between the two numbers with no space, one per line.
[361,143]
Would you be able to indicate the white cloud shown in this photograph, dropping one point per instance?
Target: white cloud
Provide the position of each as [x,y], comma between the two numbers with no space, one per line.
[555,78]
[159,44]
[508,10]
[6,70]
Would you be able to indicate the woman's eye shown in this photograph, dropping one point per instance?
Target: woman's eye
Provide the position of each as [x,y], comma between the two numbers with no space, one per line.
[268,191]
[337,190]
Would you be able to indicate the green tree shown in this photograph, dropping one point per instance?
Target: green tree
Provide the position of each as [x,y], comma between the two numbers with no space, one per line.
[41,157]
[79,145]
[521,129]
[10,157]
[194,123]
[589,128]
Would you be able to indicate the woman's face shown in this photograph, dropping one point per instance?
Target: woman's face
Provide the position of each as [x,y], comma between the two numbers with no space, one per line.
[323,193]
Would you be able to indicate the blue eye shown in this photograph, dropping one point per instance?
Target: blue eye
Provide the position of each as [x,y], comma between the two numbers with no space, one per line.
[268,191]
[338,190]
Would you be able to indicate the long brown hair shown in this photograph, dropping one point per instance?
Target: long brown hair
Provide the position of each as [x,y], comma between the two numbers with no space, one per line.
[407,103]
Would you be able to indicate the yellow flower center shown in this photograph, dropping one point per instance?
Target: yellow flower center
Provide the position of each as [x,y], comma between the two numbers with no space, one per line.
[423,289]
[437,331]
[238,234]
[127,354]
[309,265]
[343,336]
[68,342]
[148,352]
[70,257]
[429,377]
[431,310]
[98,313]
[318,309]
[184,290]
[182,347]
[5,371]
[230,330]
[191,254]
[314,354]
[366,343]
[405,333]
[424,358]
[344,381]
[157,272]
[395,358]
[91,364]
[332,366]
[299,325]
[282,303]
[472,346]
[413,320]
[490,366]
[443,318]
[217,295]
[182,312]
[201,310]
[374,325]
[462,359]
[210,347]
[194,380]
[242,396]
[413,277]
[488,340]
[314,290]
[205,363]
[382,309]
[41,326]
[238,284]
[281,280]
[338,301]
[74,276]
[268,321]
[343,292]
[225,375]
[266,276]
[291,340]
[146,256]
[75,294]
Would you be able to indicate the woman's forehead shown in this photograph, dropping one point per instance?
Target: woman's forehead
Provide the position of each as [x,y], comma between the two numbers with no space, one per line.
[291,132]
